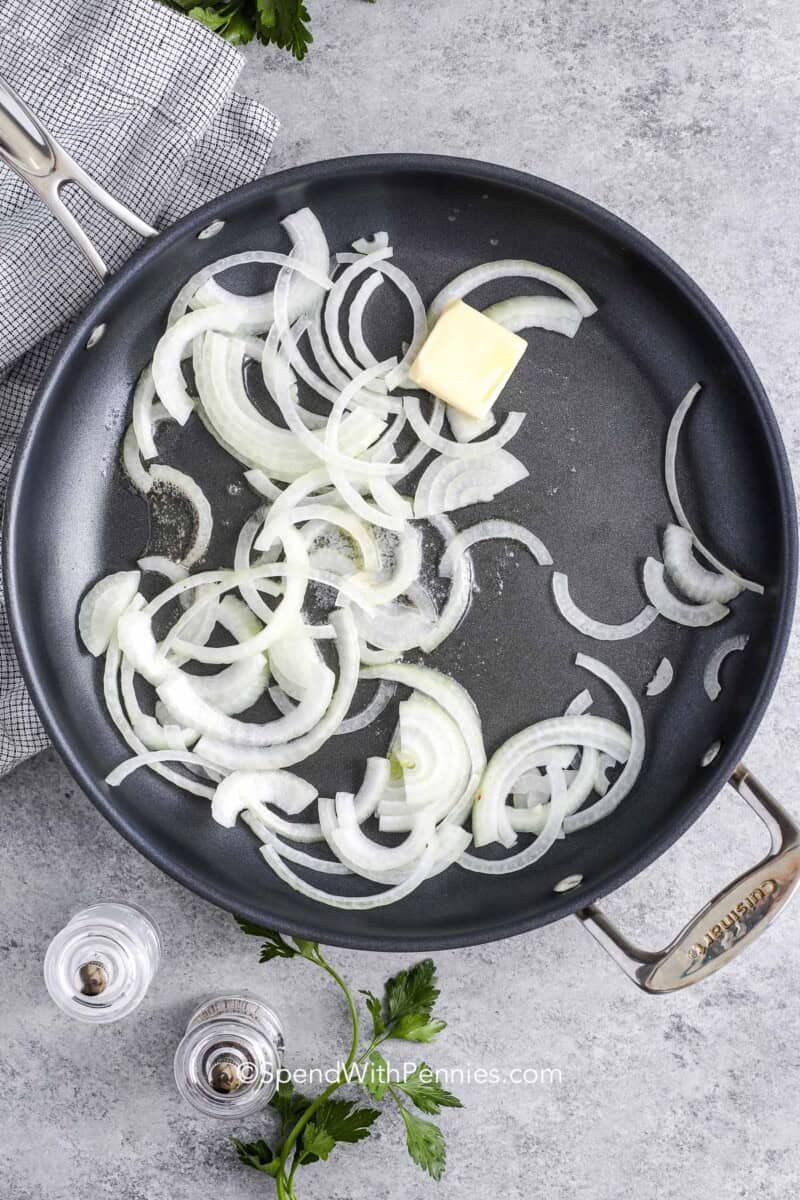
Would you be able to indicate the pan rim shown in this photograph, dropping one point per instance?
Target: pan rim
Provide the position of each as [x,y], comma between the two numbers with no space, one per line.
[563,904]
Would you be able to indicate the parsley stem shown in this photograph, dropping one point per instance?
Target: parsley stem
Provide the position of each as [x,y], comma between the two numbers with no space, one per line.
[320,1100]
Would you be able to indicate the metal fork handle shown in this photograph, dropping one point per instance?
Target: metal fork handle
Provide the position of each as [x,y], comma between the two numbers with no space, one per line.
[27,147]
[729,922]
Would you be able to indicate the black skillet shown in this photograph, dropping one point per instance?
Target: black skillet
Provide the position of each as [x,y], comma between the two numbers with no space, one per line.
[599,407]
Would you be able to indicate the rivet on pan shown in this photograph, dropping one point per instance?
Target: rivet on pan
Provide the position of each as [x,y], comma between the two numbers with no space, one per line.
[710,754]
[568,883]
[95,336]
[211,230]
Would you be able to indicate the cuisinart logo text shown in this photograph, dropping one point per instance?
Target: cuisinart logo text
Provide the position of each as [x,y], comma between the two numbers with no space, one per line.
[767,888]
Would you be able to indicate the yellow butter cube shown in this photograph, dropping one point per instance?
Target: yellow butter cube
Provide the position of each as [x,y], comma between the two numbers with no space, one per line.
[467,359]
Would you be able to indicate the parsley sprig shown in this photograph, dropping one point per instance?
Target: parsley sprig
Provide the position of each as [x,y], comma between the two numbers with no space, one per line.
[311,1127]
[284,23]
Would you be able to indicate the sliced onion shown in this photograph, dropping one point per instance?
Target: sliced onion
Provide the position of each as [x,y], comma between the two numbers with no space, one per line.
[269,758]
[463,450]
[579,704]
[630,772]
[180,482]
[597,629]
[696,583]
[362,903]
[159,564]
[556,811]
[662,678]
[487,530]
[144,396]
[659,595]
[436,761]
[670,475]
[536,312]
[280,788]
[458,704]
[193,712]
[371,711]
[711,674]
[465,428]
[508,268]
[102,607]
[519,752]
[450,483]
[461,583]
[147,759]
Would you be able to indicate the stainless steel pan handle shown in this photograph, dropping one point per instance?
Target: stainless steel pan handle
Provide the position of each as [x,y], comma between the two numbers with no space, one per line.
[729,922]
[27,147]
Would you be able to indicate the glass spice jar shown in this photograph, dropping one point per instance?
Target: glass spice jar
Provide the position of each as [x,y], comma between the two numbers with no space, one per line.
[98,968]
[229,1061]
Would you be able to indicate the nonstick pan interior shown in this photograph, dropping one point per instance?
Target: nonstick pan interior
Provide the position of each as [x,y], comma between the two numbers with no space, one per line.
[593,441]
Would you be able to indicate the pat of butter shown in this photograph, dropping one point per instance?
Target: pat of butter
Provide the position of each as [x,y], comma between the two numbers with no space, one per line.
[467,359]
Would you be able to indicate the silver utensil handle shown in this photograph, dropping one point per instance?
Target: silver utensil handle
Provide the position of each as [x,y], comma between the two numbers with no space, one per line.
[27,147]
[729,922]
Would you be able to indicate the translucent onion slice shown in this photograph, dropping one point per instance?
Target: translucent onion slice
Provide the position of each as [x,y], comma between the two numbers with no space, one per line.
[450,483]
[466,429]
[630,772]
[398,377]
[519,752]
[579,789]
[102,607]
[536,312]
[461,450]
[193,712]
[296,663]
[670,475]
[310,259]
[508,268]
[232,690]
[249,436]
[360,852]
[711,674]
[147,759]
[365,245]
[556,811]
[171,348]
[662,678]
[333,306]
[694,615]
[435,761]
[360,903]
[117,714]
[136,641]
[312,862]
[159,564]
[262,484]
[355,319]
[458,704]
[696,583]
[597,629]
[579,705]
[144,396]
[371,711]
[182,483]
[372,590]
[393,626]
[460,594]
[280,788]
[487,530]
[269,758]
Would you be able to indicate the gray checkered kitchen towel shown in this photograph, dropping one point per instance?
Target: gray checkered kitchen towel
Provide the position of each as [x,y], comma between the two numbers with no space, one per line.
[143,99]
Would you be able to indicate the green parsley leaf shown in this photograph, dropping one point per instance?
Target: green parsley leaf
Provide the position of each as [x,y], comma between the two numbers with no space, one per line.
[375,1009]
[412,991]
[288,1104]
[274,945]
[257,1155]
[425,1143]
[376,1075]
[336,1121]
[286,23]
[317,1143]
[425,1091]
[417,1027]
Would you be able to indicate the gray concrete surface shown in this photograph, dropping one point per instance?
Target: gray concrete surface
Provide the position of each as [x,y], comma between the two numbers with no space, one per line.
[682,117]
